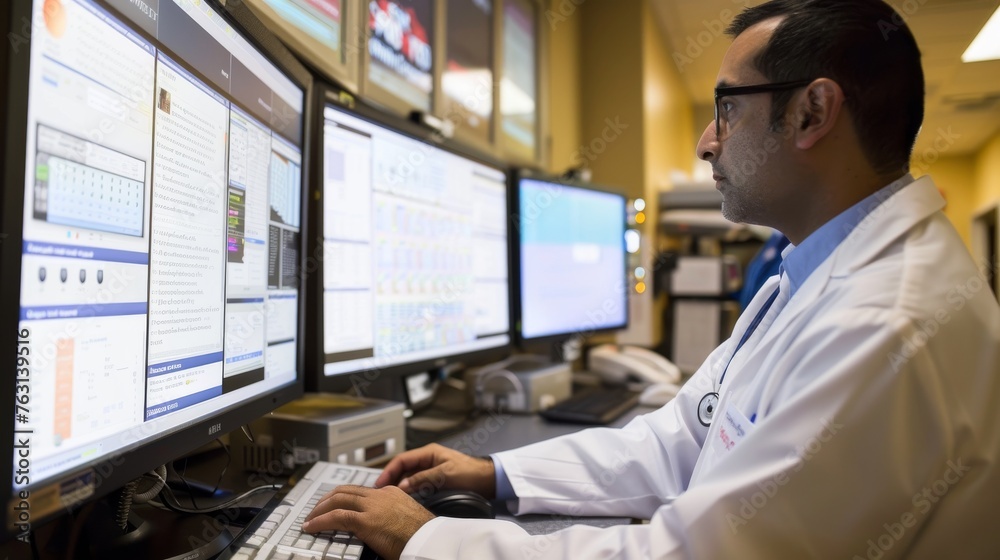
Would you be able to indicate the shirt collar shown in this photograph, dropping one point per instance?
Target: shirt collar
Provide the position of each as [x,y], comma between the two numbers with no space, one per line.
[798,262]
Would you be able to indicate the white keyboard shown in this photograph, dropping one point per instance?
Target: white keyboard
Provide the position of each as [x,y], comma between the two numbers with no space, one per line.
[280,536]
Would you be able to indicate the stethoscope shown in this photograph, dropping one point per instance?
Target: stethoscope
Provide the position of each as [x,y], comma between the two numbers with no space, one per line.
[710,402]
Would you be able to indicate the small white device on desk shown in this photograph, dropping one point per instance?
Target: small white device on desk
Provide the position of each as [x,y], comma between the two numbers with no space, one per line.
[636,367]
[521,383]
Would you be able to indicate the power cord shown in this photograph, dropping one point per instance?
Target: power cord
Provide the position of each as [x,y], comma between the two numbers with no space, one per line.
[167,499]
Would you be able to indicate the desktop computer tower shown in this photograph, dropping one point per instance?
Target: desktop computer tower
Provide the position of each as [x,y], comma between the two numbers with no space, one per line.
[322,427]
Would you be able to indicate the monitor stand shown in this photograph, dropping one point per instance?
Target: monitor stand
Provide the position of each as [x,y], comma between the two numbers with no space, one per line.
[154,534]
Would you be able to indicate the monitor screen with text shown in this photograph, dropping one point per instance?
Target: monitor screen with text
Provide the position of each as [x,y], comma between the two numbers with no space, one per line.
[572,260]
[161,224]
[415,251]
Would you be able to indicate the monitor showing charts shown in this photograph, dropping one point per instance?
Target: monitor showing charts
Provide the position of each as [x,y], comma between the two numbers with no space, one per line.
[161,230]
[415,250]
[571,259]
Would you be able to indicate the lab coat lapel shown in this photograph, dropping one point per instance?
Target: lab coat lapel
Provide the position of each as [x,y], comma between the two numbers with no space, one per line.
[894,217]
[891,219]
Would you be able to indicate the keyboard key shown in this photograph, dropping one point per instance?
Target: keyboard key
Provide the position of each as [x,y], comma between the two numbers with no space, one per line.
[255,541]
[353,552]
[359,478]
[336,550]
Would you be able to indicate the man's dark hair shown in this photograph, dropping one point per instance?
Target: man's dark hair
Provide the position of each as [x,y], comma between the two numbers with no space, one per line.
[864,46]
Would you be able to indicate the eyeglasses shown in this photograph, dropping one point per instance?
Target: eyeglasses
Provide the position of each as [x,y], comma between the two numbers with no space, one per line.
[721,92]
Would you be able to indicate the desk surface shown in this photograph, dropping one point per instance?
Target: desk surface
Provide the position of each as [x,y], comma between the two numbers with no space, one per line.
[492,432]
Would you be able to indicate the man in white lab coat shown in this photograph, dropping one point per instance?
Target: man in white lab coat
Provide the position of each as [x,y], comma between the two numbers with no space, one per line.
[854,412]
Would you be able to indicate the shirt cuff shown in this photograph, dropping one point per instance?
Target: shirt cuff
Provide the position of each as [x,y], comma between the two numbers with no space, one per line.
[505,491]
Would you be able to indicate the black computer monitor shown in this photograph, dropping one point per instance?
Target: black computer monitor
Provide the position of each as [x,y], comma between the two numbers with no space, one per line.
[570,259]
[151,231]
[414,247]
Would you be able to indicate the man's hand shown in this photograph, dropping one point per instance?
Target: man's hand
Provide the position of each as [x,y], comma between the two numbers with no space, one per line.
[385,519]
[435,467]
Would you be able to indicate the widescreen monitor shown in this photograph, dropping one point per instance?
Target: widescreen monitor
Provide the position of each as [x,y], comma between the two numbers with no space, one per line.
[415,270]
[570,260]
[152,224]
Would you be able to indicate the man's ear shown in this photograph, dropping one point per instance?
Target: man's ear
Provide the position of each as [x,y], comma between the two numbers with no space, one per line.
[816,111]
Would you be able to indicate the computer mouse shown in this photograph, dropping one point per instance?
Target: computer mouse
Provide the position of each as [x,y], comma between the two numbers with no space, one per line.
[658,394]
[458,503]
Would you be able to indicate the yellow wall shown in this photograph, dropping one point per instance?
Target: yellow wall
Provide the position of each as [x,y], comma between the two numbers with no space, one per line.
[668,111]
[611,84]
[987,176]
[971,184]
[954,175]
[564,85]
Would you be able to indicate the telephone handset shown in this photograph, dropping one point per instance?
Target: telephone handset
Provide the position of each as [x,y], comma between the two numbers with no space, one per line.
[630,364]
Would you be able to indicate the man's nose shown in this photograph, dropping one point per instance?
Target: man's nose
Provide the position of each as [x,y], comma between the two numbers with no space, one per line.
[708,144]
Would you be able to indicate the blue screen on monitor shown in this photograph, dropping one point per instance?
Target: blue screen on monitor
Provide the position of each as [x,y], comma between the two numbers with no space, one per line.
[572,260]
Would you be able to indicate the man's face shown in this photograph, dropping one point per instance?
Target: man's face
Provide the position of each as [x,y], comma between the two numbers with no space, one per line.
[746,154]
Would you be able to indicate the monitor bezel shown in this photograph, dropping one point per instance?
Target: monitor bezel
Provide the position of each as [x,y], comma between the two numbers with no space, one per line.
[345,71]
[112,472]
[373,381]
[516,177]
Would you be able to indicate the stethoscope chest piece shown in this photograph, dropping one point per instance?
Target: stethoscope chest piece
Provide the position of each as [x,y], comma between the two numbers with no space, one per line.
[706,408]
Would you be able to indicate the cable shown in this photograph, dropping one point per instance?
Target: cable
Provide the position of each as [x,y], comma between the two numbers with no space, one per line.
[34,546]
[169,501]
[154,490]
[124,505]
[175,506]
[186,485]
[229,459]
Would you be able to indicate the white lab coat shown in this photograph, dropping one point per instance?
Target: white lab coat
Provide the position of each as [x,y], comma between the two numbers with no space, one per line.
[877,400]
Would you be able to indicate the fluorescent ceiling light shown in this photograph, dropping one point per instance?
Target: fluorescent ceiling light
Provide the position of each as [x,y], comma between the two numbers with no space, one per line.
[986,45]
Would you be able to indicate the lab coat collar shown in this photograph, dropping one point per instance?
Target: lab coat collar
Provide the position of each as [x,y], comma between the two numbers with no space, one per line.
[893,217]
[799,264]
